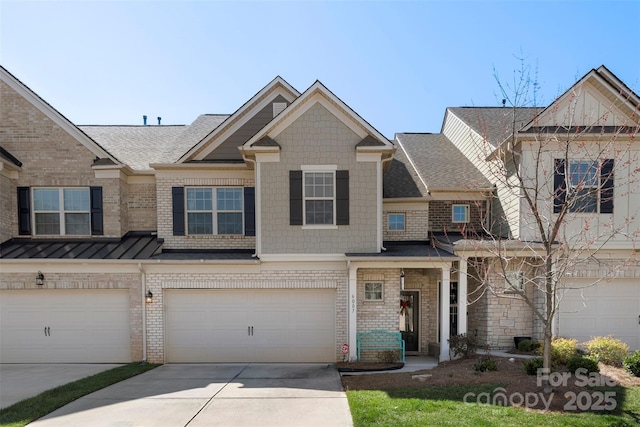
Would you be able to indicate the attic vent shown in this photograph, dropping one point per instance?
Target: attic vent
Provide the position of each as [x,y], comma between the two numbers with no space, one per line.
[278,107]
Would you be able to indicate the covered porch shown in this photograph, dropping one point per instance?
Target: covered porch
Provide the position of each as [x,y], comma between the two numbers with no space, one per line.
[411,288]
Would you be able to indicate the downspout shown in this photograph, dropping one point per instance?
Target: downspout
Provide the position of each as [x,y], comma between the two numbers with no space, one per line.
[144,312]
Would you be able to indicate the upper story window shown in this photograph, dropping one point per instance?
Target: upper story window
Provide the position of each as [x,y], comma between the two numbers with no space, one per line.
[460,213]
[222,215]
[62,211]
[584,186]
[319,198]
[395,222]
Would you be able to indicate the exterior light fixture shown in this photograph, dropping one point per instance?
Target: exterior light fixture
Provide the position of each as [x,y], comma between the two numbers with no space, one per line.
[402,279]
[148,297]
[39,278]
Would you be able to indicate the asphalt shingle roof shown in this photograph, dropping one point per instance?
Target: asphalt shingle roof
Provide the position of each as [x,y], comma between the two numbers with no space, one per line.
[401,179]
[138,146]
[440,164]
[495,123]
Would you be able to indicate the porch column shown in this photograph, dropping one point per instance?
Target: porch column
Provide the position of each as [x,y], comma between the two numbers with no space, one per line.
[462,296]
[445,302]
[352,313]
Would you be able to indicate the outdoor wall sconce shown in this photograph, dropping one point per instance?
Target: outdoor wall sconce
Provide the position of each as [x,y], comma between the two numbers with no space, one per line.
[149,297]
[39,278]
[402,279]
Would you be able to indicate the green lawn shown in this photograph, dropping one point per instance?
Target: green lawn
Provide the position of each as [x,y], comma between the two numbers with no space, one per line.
[28,410]
[444,406]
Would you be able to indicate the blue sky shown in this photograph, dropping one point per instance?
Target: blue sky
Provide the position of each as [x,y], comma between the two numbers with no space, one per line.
[397,64]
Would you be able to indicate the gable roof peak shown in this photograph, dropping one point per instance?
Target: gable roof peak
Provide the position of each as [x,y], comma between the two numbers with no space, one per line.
[48,110]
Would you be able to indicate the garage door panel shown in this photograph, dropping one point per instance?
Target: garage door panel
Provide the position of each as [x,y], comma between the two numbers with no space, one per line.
[608,308]
[277,318]
[82,326]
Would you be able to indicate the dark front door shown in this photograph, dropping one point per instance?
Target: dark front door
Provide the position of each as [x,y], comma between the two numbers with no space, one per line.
[410,319]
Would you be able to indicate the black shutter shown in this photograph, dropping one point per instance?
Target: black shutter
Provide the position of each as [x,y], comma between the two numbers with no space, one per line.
[342,197]
[24,211]
[249,211]
[606,186]
[295,197]
[97,226]
[177,194]
[559,185]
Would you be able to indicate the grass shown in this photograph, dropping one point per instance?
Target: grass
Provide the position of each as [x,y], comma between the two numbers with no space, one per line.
[28,410]
[444,406]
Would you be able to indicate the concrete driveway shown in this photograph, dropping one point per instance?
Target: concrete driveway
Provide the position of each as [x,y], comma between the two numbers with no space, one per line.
[21,381]
[214,395]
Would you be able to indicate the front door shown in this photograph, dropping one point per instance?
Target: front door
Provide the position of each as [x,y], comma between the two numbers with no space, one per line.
[410,319]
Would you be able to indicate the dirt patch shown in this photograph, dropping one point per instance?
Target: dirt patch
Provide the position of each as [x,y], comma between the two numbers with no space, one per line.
[510,376]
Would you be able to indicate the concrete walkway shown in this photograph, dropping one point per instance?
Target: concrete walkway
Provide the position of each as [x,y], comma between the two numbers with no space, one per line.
[419,363]
[21,381]
[214,395]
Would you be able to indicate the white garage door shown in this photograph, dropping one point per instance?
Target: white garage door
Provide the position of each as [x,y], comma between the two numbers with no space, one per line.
[64,326]
[608,308]
[250,326]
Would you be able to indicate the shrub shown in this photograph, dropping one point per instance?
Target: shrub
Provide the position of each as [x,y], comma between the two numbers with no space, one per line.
[631,363]
[576,362]
[525,345]
[531,366]
[485,364]
[608,350]
[562,349]
[388,356]
[462,344]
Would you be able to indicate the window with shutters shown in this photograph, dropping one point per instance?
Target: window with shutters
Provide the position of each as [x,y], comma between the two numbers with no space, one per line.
[61,211]
[214,210]
[584,186]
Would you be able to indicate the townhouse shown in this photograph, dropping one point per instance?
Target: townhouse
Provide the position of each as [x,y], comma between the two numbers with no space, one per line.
[273,234]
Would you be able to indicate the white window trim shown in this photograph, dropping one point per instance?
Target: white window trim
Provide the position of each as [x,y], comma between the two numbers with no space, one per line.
[381,291]
[466,214]
[404,222]
[214,211]
[318,169]
[61,211]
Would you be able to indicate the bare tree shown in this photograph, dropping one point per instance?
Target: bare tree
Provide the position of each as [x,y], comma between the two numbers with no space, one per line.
[558,172]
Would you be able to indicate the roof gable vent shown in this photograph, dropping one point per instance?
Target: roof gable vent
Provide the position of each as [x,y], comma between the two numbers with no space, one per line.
[278,107]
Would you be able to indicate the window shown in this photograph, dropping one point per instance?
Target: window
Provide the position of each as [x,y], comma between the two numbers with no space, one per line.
[583,186]
[223,217]
[62,211]
[460,213]
[514,280]
[373,291]
[395,222]
[319,198]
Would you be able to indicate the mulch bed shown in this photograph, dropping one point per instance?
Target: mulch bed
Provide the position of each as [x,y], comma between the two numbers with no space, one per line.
[510,376]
